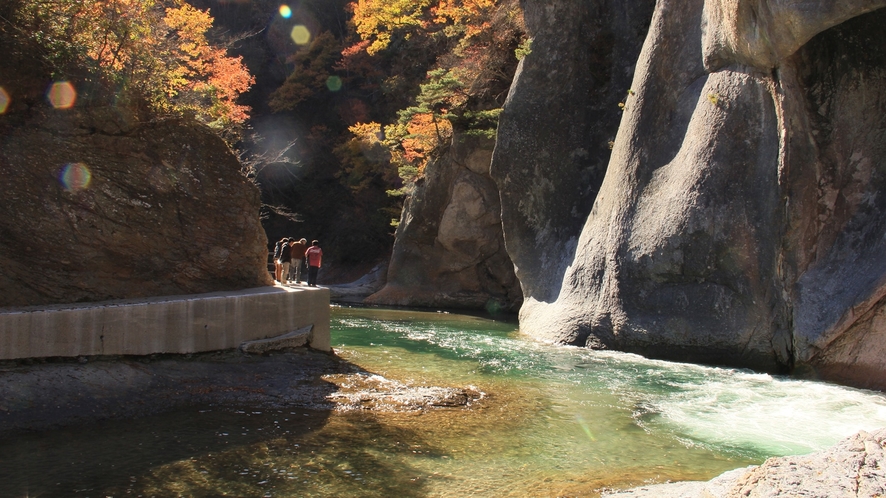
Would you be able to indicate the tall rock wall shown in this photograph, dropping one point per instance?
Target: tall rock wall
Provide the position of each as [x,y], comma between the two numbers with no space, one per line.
[97,205]
[556,126]
[449,250]
[740,220]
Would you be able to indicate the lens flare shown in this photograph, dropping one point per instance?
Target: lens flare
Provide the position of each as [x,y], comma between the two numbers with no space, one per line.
[300,35]
[4,100]
[333,83]
[75,176]
[585,427]
[285,11]
[62,95]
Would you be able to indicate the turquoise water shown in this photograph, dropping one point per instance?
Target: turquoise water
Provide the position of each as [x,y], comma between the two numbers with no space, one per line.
[551,421]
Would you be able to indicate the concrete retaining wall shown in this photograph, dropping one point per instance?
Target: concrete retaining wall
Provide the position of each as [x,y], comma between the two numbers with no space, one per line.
[170,324]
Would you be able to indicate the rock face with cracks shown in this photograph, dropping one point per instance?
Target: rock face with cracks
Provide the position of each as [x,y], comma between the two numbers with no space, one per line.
[97,206]
[741,217]
[556,126]
[449,250]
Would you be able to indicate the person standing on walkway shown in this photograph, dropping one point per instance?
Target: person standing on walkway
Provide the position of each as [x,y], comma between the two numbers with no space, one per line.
[298,259]
[314,255]
[278,266]
[285,260]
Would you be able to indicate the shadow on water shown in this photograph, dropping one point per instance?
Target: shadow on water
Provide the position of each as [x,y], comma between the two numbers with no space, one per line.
[207,442]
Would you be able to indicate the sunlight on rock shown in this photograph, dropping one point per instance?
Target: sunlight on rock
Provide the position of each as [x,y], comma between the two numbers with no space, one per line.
[4,100]
[75,176]
[285,11]
[300,35]
[333,83]
[62,95]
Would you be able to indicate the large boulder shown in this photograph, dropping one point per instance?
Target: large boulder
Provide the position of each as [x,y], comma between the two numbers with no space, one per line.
[449,249]
[856,466]
[556,128]
[741,218]
[97,205]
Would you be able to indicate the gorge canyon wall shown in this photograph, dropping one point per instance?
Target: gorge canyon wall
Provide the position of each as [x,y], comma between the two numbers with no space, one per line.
[549,161]
[741,218]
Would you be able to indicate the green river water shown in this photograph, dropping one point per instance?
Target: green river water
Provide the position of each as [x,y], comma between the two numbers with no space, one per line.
[553,421]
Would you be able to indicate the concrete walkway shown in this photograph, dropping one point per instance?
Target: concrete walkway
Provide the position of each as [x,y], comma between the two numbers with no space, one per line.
[168,324]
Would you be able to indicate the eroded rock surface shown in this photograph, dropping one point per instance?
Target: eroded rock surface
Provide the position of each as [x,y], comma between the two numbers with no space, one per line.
[165,209]
[449,250]
[556,126]
[741,218]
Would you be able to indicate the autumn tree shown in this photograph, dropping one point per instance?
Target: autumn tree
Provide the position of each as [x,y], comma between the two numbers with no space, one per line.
[465,86]
[153,52]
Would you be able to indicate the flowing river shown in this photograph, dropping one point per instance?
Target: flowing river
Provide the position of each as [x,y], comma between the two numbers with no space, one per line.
[552,421]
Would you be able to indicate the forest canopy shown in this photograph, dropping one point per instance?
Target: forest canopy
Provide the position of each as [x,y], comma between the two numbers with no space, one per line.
[150,54]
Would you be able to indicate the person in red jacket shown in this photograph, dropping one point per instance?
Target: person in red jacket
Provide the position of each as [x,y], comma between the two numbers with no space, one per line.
[314,255]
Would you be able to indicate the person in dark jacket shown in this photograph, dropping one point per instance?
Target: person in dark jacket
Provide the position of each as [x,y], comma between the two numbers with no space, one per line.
[298,259]
[314,255]
[285,260]
[278,266]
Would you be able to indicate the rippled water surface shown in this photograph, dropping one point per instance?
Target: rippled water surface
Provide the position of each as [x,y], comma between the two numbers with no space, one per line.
[554,421]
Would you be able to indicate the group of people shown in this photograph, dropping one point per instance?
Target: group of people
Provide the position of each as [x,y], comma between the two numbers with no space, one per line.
[290,256]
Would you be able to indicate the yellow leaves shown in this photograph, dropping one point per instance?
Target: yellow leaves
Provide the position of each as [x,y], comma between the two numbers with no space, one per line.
[471,14]
[190,25]
[377,20]
[193,67]
[368,133]
[109,31]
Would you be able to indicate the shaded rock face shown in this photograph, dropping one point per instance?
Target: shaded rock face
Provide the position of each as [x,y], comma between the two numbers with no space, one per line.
[554,131]
[741,218]
[449,250]
[165,210]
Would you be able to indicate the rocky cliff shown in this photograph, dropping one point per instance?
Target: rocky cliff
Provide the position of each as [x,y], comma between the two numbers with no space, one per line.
[97,205]
[449,249]
[741,218]
[553,144]
[556,129]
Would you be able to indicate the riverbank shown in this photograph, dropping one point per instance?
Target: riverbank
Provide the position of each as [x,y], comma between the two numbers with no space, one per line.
[38,395]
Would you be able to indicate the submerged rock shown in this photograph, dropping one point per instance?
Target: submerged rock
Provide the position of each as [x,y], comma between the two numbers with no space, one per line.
[364,391]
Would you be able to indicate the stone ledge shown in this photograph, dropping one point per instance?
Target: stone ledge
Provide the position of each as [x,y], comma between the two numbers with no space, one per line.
[168,324]
[294,339]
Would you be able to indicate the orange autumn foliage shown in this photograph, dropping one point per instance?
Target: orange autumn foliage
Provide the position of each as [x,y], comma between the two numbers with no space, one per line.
[156,51]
